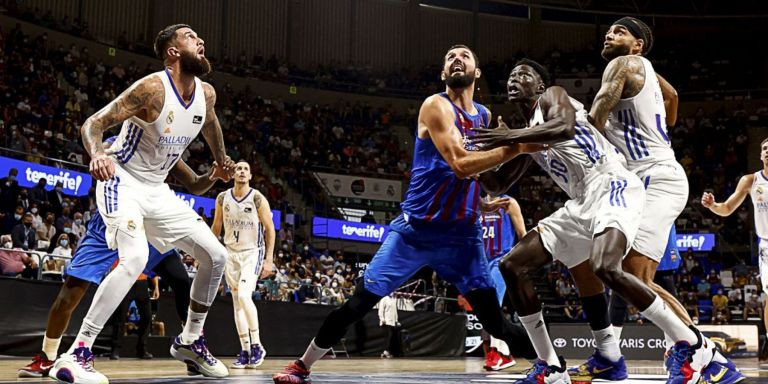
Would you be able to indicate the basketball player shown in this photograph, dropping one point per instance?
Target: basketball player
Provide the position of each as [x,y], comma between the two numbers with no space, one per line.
[249,235]
[161,114]
[439,226]
[594,230]
[92,261]
[756,186]
[501,229]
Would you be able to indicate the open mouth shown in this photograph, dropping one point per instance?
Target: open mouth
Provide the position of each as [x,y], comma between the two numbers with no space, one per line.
[457,67]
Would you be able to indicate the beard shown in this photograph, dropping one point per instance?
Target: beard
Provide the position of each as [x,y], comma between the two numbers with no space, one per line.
[614,52]
[459,82]
[194,65]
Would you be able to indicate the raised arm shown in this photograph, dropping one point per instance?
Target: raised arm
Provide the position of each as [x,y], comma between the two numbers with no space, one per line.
[670,100]
[436,117]
[514,212]
[265,217]
[559,119]
[734,201]
[212,129]
[145,95]
[613,87]
[218,216]
[198,184]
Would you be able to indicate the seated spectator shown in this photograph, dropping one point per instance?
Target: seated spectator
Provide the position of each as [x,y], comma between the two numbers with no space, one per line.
[573,311]
[691,303]
[23,235]
[63,248]
[752,307]
[47,231]
[13,263]
[720,304]
[735,298]
[702,289]
[190,265]
[12,220]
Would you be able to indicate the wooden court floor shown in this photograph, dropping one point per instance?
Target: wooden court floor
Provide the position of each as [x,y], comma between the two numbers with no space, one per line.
[355,370]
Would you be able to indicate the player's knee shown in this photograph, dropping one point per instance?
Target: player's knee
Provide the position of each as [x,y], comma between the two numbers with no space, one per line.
[511,267]
[243,298]
[609,274]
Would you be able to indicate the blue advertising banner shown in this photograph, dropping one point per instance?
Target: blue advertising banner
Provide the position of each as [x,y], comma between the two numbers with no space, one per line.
[349,230]
[209,206]
[695,241]
[73,183]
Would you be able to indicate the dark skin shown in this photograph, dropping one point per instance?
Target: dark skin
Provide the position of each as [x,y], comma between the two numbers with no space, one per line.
[517,267]
[73,289]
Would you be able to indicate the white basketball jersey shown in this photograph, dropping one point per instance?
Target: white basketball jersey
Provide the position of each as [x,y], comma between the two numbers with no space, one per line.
[568,162]
[637,126]
[759,195]
[242,229]
[149,150]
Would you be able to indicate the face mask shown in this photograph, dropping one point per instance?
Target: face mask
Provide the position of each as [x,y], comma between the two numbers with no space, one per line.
[58,189]
[67,230]
[65,204]
[16,216]
[282,271]
[335,285]
[338,271]
[64,243]
[7,244]
[78,221]
[33,210]
[317,275]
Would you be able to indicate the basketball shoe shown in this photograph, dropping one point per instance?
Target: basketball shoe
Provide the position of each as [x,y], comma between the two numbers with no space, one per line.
[77,367]
[39,366]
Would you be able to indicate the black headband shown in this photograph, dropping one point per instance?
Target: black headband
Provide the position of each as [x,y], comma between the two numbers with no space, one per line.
[633,25]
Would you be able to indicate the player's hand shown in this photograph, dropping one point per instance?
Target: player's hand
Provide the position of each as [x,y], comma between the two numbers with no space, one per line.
[708,200]
[229,165]
[493,138]
[494,205]
[102,167]
[155,294]
[268,269]
[219,173]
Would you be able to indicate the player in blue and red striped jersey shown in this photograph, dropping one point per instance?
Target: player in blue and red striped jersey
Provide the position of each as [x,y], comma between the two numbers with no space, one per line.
[501,229]
[439,226]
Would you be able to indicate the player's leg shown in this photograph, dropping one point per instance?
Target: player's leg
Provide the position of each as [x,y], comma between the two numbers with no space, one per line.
[141,298]
[211,256]
[232,273]
[500,355]
[70,294]
[395,262]
[249,278]
[118,324]
[172,271]
[607,362]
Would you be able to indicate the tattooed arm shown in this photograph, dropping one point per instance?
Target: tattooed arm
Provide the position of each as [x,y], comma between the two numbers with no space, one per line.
[143,99]
[623,77]
[218,216]
[212,129]
[265,217]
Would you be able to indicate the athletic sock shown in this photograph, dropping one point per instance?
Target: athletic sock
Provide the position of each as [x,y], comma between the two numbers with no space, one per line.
[537,332]
[617,332]
[664,318]
[193,327]
[313,354]
[51,347]
[245,342]
[607,344]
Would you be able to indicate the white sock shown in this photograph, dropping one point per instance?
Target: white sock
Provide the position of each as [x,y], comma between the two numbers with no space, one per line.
[617,332]
[193,327]
[607,344]
[664,318]
[86,336]
[245,342]
[253,322]
[500,346]
[313,354]
[537,332]
[51,347]
[668,341]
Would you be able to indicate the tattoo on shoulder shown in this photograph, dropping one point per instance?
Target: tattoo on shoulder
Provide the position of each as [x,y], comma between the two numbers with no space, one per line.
[220,198]
[635,75]
[257,199]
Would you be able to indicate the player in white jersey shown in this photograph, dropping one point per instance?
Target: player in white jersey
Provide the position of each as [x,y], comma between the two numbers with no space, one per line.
[593,231]
[631,110]
[756,186]
[249,235]
[160,115]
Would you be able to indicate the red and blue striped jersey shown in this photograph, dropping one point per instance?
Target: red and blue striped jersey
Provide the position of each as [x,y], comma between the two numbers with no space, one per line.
[435,194]
[499,234]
